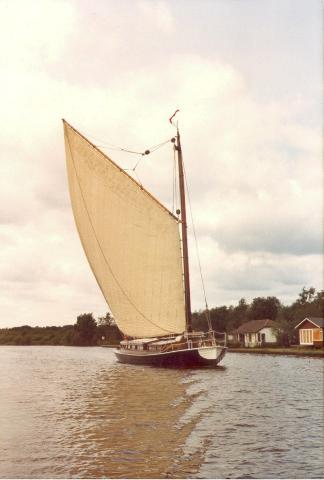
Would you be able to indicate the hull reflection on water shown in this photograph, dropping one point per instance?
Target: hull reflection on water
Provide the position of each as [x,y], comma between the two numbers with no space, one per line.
[139,434]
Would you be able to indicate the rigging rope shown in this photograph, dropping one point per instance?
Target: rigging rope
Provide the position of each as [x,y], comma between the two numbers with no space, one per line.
[141,154]
[197,253]
[149,150]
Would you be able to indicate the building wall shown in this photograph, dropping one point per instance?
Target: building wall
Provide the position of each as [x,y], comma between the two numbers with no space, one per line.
[265,335]
[307,324]
[270,335]
[250,340]
[317,334]
[308,335]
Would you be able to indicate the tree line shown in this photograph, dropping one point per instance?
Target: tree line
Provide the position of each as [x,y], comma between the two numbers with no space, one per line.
[85,332]
[88,331]
[309,303]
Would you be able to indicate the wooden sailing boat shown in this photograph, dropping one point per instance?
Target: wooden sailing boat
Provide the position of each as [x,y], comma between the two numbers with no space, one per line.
[134,248]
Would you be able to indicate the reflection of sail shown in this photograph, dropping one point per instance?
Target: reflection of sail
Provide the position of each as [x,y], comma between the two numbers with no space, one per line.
[131,241]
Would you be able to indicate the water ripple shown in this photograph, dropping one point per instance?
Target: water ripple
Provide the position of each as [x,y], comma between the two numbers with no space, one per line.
[76,413]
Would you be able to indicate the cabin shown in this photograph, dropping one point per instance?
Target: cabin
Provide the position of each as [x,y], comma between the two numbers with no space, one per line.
[255,333]
[310,332]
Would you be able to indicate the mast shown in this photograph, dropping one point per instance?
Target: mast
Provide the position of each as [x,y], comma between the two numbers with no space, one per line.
[184,235]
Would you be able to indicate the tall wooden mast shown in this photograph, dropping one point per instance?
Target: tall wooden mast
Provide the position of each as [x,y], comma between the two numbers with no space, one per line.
[184,235]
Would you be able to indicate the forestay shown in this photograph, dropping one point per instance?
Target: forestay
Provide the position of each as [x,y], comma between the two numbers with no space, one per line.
[131,241]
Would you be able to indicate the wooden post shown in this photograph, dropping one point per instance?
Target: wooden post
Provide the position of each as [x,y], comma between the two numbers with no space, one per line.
[184,236]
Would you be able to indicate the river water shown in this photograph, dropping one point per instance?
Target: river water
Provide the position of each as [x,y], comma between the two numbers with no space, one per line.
[68,412]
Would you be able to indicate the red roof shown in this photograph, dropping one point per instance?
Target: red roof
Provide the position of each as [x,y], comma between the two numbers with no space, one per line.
[254,326]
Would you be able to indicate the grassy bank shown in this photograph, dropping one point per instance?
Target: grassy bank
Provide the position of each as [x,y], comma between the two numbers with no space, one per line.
[305,352]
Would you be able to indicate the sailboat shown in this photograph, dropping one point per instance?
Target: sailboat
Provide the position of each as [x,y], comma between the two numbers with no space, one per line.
[138,257]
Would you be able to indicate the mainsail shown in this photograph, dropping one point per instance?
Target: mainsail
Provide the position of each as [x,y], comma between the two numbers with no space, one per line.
[131,241]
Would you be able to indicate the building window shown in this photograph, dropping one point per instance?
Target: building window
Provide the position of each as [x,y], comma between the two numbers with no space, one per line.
[306,337]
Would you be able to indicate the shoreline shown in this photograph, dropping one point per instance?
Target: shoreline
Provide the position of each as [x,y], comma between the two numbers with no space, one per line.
[319,353]
[295,351]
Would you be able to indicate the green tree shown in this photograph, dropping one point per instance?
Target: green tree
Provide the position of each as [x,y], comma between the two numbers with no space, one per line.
[219,318]
[239,314]
[85,330]
[306,296]
[107,331]
[286,333]
[308,304]
[262,307]
[106,321]
[200,320]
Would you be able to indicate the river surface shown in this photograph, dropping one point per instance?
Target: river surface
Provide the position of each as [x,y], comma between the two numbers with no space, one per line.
[68,412]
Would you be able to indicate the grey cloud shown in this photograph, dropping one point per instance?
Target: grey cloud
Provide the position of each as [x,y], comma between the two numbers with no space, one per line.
[270,237]
[17,212]
[54,197]
[263,275]
[123,86]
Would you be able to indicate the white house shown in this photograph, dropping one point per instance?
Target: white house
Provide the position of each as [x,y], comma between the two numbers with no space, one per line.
[255,333]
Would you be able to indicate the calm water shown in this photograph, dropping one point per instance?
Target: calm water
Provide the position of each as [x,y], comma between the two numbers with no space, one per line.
[76,413]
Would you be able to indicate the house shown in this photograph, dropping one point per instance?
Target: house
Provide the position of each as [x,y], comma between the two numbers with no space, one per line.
[255,333]
[311,331]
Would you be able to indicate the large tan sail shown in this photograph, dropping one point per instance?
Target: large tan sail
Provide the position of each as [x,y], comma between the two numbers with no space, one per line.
[131,241]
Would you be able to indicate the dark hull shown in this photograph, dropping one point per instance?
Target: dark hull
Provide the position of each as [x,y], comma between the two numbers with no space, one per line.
[178,358]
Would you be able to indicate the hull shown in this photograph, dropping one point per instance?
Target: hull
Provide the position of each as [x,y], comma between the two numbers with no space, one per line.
[195,357]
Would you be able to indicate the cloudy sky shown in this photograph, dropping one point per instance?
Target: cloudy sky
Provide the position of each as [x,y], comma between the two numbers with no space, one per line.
[246,76]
